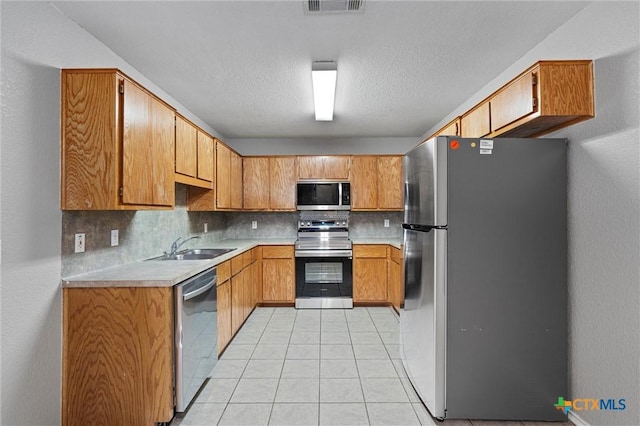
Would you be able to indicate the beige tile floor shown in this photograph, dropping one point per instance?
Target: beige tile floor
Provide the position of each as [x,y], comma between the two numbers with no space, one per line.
[314,367]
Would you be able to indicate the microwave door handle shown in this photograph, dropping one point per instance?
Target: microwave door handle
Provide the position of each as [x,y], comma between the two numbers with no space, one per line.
[339,194]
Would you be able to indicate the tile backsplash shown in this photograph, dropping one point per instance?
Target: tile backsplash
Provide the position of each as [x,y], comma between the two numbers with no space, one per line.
[145,234]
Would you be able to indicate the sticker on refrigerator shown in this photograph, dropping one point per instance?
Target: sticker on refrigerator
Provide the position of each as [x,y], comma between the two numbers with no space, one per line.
[486,144]
[486,151]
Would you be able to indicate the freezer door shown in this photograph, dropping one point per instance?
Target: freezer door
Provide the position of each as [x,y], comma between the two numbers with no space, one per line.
[425,169]
[422,321]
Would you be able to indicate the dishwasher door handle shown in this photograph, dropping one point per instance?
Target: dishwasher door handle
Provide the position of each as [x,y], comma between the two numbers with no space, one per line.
[200,290]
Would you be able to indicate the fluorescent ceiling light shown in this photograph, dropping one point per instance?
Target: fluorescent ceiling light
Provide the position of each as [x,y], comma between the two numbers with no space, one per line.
[324,76]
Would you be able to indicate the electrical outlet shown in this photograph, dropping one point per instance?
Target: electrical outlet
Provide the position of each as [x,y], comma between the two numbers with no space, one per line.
[115,237]
[386,223]
[79,243]
[206,227]
[254,224]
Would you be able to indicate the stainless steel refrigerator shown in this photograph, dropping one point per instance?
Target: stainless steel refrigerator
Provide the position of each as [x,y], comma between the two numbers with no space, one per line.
[484,326]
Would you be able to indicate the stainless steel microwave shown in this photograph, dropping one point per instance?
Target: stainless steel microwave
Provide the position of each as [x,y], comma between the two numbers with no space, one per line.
[323,196]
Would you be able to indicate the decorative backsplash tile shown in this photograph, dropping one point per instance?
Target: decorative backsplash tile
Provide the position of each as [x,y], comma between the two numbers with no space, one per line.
[146,234]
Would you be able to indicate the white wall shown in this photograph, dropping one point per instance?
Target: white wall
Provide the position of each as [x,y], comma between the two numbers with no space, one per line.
[603,204]
[37,40]
[321,146]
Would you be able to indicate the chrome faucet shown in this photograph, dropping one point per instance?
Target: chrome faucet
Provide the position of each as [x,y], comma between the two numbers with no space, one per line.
[177,244]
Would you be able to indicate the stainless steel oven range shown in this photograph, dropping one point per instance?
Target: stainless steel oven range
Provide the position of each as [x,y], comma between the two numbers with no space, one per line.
[323,252]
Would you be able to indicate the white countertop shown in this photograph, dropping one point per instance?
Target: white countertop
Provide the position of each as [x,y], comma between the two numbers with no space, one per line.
[163,273]
[167,273]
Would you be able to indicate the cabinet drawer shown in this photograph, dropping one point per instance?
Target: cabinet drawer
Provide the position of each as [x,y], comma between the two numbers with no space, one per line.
[223,271]
[396,255]
[377,250]
[277,252]
[237,263]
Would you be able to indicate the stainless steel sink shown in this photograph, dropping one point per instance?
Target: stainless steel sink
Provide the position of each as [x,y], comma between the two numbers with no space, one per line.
[195,254]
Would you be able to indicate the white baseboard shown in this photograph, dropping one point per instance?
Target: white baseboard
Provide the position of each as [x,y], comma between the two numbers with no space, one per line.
[576,420]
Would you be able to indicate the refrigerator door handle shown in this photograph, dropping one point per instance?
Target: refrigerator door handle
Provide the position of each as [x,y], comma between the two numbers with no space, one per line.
[420,228]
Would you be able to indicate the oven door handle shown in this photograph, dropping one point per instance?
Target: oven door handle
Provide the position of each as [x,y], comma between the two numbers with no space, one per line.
[323,253]
[198,291]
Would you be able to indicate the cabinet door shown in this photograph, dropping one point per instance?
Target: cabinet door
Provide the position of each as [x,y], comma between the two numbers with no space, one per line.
[450,129]
[336,167]
[137,162]
[237,301]
[278,280]
[390,183]
[364,194]
[223,176]
[476,123]
[236,181]
[186,147]
[370,273]
[282,173]
[513,102]
[310,167]
[205,156]
[162,153]
[255,183]
[369,280]
[224,315]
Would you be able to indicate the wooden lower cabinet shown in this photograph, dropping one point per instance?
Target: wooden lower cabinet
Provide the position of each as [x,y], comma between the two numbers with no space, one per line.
[117,365]
[237,302]
[225,331]
[278,274]
[370,273]
[396,278]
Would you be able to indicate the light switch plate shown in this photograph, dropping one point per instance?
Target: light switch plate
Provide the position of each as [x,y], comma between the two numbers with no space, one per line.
[206,227]
[115,237]
[80,243]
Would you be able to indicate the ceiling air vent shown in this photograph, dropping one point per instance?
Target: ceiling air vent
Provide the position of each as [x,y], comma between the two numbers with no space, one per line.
[318,7]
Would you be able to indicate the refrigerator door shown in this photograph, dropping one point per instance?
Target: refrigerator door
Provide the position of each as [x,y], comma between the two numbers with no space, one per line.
[422,321]
[425,171]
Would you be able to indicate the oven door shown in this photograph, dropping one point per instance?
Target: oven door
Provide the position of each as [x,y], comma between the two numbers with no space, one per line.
[324,279]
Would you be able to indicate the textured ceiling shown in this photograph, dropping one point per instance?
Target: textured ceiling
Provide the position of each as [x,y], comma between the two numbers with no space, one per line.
[244,67]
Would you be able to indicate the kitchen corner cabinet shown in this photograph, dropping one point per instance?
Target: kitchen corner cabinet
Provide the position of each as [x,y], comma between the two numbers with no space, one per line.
[546,97]
[385,171]
[396,278]
[269,183]
[227,188]
[278,274]
[118,144]
[324,167]
[194,155]
[370,273]
[117,364]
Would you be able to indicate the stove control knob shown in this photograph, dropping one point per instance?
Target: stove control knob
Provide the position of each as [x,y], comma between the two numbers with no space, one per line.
[308,223]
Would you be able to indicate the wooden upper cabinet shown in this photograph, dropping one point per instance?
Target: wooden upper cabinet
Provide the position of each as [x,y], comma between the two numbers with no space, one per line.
[390,183]
[118,144]
[223,176]
[450,129]
[377,182]
[477,122]
[324,167]
[255,183]
[364,172]
[546,97]
[269,183]
[236,181]
[186,147]
[282,188]
[194,155]
[206,149]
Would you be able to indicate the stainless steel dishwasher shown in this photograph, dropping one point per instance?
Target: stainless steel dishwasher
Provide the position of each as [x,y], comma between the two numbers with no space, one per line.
[196,334]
